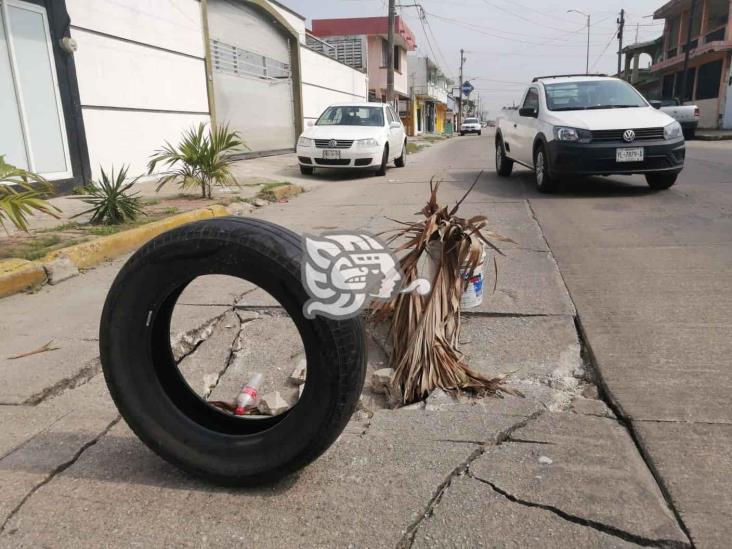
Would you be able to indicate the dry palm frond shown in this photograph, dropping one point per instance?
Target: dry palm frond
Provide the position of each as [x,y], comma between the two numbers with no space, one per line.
[425,329]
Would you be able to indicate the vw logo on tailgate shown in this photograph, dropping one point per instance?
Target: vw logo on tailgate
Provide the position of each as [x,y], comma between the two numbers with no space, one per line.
[629,136]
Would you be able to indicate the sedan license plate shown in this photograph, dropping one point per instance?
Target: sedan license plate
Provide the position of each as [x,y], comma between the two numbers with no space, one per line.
[331,153]
[629,155]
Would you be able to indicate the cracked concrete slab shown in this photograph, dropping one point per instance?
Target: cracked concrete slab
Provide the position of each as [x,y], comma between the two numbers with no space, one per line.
[587,467]
[359,483]
[269,346]
[50,437]
[694,461]
[526,347]
[471,514]
[214,290]
[384,473]
[201,369]
[68,314]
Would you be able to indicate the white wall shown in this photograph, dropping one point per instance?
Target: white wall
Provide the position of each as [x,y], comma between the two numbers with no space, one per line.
[708,112]
[297,23]
[326,81]
[141,73]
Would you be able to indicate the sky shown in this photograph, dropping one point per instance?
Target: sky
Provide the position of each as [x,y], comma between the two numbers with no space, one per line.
[507,42]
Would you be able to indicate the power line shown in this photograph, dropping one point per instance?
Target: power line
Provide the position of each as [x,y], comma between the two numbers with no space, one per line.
[604,50]
[487,32]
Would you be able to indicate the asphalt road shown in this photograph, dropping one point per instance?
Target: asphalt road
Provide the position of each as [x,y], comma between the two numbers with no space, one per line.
[650,274]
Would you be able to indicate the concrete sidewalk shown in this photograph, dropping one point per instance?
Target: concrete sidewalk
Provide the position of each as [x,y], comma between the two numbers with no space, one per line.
[555,468]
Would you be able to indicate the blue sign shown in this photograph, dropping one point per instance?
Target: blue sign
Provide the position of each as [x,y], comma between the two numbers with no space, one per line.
[467,88]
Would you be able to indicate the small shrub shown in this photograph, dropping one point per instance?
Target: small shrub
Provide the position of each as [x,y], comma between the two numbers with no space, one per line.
[111,202]
[201,160]
[17,204]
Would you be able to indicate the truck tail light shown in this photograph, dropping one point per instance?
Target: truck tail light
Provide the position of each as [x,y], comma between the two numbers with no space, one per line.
[696,112]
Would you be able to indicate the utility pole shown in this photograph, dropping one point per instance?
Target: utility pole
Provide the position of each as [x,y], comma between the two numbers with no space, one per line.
[390,54]
[587,63]
[460,90]
[686,53]
[621,26]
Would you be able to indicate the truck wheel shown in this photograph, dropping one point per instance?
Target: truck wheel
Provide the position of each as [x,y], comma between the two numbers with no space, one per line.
[306,170]
[545,183]
[504,165]
[480,132]
[690,134]
[150,391]
[661,181]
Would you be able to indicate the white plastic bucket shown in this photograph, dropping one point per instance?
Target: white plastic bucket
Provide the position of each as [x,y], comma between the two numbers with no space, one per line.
[473,294]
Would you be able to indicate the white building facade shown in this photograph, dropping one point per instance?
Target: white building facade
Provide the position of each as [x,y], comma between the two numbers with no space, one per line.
[90,83]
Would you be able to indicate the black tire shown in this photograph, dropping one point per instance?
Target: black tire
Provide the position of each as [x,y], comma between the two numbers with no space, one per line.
[480,133]
[462,134]
[545,183]
[154,398]
[661,181]
[504,165]
[306,170]
[402,160]
[689,134]
[384,161]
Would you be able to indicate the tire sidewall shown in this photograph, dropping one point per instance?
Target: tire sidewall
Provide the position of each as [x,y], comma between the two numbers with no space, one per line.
[128,352]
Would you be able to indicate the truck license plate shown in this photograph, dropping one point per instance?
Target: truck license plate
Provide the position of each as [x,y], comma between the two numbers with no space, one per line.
[331,153]
[629,155]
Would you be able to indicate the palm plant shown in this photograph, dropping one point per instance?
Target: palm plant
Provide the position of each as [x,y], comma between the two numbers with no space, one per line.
[19,198]
[425,330]
[111,202]
[201,159]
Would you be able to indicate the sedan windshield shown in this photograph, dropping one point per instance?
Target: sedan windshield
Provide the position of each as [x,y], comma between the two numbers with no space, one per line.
[592,94]
[352,116]
[471,121]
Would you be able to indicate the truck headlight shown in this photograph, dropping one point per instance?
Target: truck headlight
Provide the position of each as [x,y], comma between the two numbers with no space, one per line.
[367,143]
[672,131]
[305,142]
[562,133]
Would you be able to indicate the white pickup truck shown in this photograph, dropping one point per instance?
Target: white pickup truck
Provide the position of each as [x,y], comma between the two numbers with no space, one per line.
[686,115]
[588,125]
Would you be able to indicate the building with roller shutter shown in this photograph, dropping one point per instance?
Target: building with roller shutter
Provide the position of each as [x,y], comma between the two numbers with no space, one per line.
[90,83]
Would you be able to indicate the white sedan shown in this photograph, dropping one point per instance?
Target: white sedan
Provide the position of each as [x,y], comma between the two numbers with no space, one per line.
[470,125]
[354,135]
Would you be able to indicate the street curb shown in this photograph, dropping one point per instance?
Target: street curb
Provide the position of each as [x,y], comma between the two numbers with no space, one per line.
[712,137]
[17,275]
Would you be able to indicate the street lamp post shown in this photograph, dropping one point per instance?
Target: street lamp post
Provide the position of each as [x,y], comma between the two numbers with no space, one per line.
[587,62]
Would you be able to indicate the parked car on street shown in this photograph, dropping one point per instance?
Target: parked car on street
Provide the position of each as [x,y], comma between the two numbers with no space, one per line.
[470,125]
[686,115]
[353,135]
[588,125]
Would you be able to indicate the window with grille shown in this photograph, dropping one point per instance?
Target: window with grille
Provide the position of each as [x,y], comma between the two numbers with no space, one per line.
[235,61]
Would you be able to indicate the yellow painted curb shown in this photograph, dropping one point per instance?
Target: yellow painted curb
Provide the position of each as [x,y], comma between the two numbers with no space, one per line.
[17,275]
[88,254]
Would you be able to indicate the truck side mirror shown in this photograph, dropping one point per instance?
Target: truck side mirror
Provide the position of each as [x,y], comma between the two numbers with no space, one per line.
[656,104]
[532,112]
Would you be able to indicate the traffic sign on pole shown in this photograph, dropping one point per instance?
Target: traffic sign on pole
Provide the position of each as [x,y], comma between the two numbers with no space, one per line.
[467,88]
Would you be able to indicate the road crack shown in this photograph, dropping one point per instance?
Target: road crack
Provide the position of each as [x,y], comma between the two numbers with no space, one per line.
[55,472]
[599,526]
[407,539]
